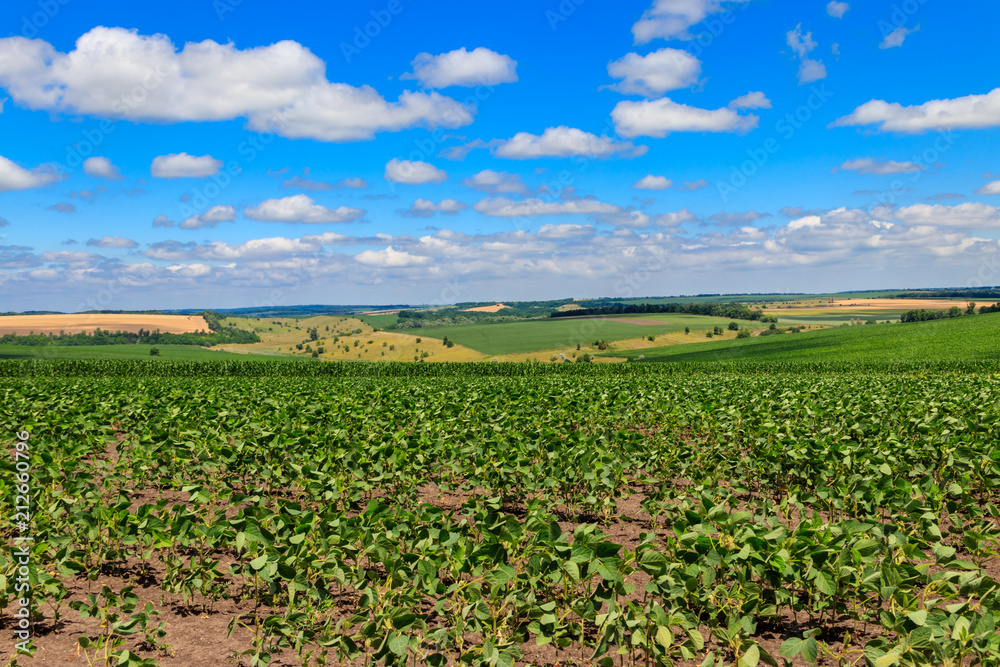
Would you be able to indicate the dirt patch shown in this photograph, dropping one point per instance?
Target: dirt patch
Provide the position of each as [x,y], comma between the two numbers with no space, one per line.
[80,322]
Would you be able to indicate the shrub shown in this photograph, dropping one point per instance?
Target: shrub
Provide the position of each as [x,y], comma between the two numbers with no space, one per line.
[734,326]
[154,351]
[743,333]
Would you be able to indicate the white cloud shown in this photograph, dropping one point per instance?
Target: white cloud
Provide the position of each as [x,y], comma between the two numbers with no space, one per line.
[182,165]
[837,9]
[278,88]
[209,218]
[502,207]
[301,208]
[496,182]
[658,118]
[869,165]
[802,43]
[565,231]
[970,112]
[352,183]
[969,215]
[754,100]
[564,141]
[163,221]
[13,177]
[413,172]
[389,258]
[425,208]
[896,37]
[989,189]
[655,73]
[101,167]
[651,182]
[113,242]
[670,19]
[479,67]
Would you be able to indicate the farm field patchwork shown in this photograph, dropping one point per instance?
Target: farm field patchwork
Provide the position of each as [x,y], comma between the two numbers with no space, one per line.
[557,333]
[167,352]
[466,515]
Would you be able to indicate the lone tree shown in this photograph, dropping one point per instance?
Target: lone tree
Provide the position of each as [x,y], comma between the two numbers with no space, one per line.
[154,351]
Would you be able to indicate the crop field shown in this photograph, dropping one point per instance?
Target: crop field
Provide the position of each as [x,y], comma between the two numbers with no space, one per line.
[963,338]
[501,514]
[79,322]
[552,334]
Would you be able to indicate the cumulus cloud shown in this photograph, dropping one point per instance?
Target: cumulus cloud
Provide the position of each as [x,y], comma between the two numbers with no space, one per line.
[502,207]
[496,182]
[479,67]
[113,242]
[655,73]
[13,177]
[801,44]
[63,207]
[424,208]
[413,172]
[278,88]
[182,165]
[969,215]
[658,118]
[670,19]
[101,167]
[301,208]
[754,100]
[209,218]
[837,9]
[564,141]
[651,182]
[163,221]
[989,189]
[389,258]
[869,165]
[896,37]
[970,112]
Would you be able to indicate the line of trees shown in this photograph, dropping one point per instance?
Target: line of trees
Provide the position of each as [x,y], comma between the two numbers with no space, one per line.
[924,315]
[733,311]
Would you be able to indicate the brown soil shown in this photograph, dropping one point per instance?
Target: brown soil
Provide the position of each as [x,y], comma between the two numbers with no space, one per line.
[80,322]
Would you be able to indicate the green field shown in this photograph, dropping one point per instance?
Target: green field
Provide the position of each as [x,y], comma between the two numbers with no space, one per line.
[965,338]
[604,515]
[167,352]
[555,333]
[378,321]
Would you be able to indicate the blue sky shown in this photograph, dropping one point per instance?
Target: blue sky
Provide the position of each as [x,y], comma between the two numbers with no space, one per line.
[222,153]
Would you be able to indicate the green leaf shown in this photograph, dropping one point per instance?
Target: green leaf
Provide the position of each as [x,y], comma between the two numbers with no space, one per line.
[664,637]
[791,647]
[918,617]
[750,658]
[810,649]
[259,562]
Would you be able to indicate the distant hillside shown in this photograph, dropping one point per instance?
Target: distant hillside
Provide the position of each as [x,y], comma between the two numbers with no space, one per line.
[971,338]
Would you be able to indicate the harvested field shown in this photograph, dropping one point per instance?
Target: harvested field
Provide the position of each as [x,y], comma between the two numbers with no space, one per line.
[486,309]
[83,322]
